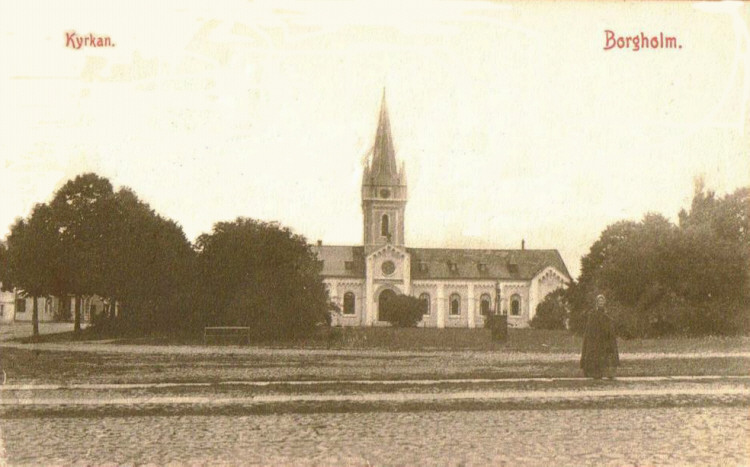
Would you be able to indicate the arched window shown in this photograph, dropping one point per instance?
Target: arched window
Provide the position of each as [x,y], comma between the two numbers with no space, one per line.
[425,298]
[349,301]
[515,305]
[455,304]
[384,227]
[485,302]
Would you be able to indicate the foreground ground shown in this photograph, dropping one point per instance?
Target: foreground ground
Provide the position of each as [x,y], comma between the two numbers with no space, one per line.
[661,436]
[676,402]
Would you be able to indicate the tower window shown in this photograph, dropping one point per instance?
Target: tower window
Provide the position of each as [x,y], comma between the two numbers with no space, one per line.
[349,302]
[384,227]
[348,265]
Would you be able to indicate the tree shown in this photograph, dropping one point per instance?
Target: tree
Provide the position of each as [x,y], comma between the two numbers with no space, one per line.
[728,217]
[90,240]
[32,253]
[717,235]
[404,311]
[662,278]
[147,265]
[552,312]
[723,226]
[581,294]
[258,274]
[83,211]
[643,257]
[6,283]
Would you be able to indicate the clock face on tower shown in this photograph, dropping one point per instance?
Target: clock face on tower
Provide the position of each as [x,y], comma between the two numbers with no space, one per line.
[385,193]
[388,268]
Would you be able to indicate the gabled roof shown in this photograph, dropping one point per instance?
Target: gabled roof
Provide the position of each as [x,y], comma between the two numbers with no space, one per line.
[448,263]
[335,257]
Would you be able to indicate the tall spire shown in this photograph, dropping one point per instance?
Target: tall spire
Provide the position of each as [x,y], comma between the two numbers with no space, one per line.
[383,190]
[383,168]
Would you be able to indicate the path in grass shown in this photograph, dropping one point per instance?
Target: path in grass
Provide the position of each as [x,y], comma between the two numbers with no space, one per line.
[367,383]
[509,355]
[341,396]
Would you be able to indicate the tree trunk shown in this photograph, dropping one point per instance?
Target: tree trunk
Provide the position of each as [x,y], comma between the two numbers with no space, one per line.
[65,300]
[35,318]
[65,305]
[77,320]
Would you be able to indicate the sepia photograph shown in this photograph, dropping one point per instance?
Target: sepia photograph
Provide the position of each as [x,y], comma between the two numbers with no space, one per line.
[348,233]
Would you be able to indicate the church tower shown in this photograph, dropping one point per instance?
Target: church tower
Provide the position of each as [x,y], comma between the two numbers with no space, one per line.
[383,190]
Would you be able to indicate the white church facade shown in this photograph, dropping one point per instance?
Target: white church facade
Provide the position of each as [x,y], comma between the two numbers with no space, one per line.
[460,286]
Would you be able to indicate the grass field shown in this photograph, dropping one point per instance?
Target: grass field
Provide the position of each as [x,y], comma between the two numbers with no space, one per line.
[23,366]
[519,340]
[431,339]
[373,353]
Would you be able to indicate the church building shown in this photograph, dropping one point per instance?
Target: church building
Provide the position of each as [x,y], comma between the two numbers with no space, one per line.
[460,286]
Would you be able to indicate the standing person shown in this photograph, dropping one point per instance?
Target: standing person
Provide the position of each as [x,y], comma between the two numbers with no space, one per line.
[599,356]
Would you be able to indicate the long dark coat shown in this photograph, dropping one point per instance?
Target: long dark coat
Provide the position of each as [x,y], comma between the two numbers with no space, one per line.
[599,344]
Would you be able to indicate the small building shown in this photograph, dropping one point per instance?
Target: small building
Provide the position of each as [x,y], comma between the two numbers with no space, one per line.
[14,307]
[51,309]
[7,305]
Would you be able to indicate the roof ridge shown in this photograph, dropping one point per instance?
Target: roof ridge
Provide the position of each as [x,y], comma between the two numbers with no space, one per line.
[448,248]
[482,249]
[324,245]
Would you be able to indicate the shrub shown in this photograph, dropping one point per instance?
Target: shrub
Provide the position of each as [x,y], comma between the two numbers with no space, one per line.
[260,275]
[404,311]
[552,312]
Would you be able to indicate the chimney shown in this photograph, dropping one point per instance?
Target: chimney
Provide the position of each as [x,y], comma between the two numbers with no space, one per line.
[523,244]
[320,242]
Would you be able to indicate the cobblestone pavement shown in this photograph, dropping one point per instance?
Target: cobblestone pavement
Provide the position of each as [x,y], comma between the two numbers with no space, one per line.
[655,436]
[527,421]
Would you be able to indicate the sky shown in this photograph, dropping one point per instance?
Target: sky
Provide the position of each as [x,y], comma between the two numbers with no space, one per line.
[512,119]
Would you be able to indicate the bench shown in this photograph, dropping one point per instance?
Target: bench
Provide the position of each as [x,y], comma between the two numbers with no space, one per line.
[235,334]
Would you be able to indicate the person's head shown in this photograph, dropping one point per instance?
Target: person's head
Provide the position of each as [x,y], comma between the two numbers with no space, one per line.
[600,301]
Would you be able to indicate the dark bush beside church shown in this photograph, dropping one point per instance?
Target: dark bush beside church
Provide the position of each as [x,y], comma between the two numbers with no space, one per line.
[404,311]
[552,312]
